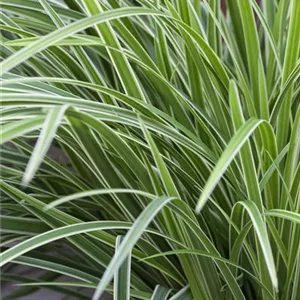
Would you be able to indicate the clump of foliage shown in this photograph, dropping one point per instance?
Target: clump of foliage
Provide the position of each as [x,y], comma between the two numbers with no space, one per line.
[150,148]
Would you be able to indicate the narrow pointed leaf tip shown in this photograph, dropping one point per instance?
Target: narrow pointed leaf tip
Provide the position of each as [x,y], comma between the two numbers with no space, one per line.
[130,239]
[49,128]
[232,149]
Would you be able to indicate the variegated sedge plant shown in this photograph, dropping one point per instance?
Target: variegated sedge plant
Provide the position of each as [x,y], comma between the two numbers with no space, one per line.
[150,148]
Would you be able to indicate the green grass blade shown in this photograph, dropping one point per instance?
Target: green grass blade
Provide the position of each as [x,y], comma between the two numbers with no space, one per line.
[61,33]
[90,193]
[284,214]
[233,147]
[246,155]
[130,239]
[183,294]
[10,131]
[261,230]
[48,131]
[291,56]
[57,234]
[122,276]
[160,293]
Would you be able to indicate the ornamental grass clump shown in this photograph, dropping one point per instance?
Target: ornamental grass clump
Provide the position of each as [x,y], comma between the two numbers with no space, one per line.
[150,148]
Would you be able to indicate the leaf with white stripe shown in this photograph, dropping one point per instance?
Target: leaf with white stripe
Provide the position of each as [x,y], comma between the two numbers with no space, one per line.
[122,276]
[130,239]
[183,294]
[160,293]
[260,228]
[10,131]
[232,149]
[50,126]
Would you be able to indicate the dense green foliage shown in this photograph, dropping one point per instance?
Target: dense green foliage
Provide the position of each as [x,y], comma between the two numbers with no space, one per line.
[150,148]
